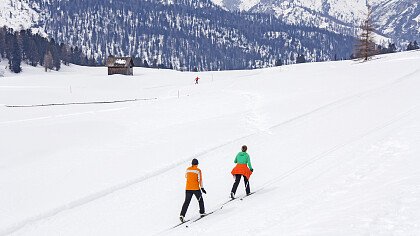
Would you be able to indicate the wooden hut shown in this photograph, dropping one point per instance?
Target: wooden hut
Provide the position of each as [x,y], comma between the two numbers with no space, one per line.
[120,65]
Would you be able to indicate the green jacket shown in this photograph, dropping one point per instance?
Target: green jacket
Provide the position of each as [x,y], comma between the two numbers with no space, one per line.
[243,158]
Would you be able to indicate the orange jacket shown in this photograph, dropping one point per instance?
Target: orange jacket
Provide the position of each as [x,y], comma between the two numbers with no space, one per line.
[242,169]
[194,178]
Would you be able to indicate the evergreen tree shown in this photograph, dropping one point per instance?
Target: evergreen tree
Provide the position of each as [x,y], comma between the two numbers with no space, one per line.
[3,42]
[32,53]
[145,64]
[65,54]
[292,57]
[415,45]
[392,48]
[24,46]
[91,61]
[76,56]
[412,46]
[155,64]
[16,58]
[300,59]
[55,51]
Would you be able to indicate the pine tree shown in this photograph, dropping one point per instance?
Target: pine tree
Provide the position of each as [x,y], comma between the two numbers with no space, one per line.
[292,57]
[392,48]
[76,56]
[155,64]
[145,64]
[56,54]
[415,45]
[410,46]
[65,54]
[3,42]
[300,59]
[32,53]
[16,58]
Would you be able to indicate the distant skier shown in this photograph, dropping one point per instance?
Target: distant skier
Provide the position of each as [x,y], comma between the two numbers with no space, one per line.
[241,169]
[196,80]
[193,186]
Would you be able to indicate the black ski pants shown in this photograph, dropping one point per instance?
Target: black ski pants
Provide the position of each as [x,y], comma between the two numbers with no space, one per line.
[237,180]
[188,196]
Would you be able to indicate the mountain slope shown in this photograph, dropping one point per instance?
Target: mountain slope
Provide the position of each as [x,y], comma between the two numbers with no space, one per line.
[395,19]
[18,14]
[185,34]
[398,19]
[337,16]
[333,152]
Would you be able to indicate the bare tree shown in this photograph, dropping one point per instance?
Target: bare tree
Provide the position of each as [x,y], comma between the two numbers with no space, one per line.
[48,61]
[365,47]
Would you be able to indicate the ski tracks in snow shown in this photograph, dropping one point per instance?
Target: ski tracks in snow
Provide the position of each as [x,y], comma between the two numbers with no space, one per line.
[339,146]
[325,153]
[337,104]
[329,106]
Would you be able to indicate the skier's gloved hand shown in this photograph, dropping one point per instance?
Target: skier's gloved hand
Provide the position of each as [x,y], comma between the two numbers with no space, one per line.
[203,190]
[252,170]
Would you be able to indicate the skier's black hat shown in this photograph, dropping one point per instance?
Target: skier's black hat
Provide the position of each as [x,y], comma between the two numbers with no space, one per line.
[194,162]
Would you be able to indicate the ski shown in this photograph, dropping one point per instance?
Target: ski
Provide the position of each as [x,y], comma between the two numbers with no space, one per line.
[217,209]
[180,224]
[242,198]
[232,199]
[201,217]
[193,220]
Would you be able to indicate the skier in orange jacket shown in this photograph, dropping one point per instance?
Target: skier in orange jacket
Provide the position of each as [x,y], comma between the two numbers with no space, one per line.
[194,186]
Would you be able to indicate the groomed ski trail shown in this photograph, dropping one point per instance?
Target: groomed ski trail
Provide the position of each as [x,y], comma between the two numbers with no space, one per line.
[332,105]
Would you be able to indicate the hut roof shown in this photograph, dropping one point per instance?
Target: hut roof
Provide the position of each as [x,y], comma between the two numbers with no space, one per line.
[119,62]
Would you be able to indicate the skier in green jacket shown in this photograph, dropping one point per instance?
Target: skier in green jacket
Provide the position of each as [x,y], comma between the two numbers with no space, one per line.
[243,168]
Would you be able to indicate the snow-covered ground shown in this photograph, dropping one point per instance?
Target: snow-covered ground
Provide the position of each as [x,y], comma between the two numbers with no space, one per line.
[335,148]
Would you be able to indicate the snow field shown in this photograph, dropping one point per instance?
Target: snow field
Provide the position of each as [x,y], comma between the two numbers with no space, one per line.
[334,148]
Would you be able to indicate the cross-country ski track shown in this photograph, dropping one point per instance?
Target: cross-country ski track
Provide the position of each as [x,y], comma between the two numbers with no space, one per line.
[300,155]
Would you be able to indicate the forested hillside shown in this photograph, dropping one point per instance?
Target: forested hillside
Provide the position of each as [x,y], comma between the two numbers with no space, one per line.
[33,49]
[185,35]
